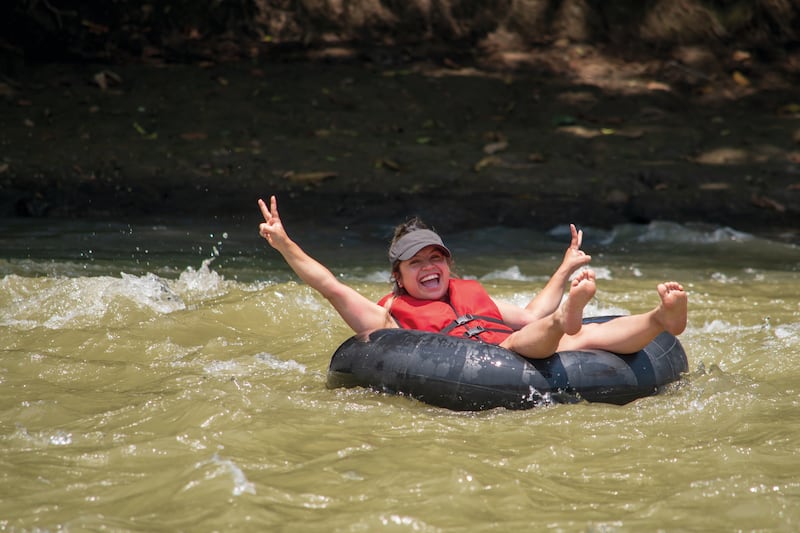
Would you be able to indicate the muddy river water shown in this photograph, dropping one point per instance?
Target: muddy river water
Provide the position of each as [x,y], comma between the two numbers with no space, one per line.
[170,376]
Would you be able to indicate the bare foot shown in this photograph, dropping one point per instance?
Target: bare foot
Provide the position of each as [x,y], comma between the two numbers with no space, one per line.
[581,291]
[673,309]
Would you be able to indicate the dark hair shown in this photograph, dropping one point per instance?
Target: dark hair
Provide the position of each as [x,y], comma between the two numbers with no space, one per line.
[412,224]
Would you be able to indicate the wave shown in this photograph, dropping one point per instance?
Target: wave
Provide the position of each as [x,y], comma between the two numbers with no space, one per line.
[656,231]
[61,302]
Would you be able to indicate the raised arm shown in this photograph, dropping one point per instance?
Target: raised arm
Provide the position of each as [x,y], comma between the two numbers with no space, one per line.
[361,314]
[548,300]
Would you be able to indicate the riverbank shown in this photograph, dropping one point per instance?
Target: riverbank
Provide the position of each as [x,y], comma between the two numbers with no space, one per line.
[569,135]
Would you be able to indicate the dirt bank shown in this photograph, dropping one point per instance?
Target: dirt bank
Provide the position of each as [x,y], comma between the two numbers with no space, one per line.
[569,135]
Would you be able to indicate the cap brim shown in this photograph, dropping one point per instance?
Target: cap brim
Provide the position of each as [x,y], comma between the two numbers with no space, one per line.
[411,243]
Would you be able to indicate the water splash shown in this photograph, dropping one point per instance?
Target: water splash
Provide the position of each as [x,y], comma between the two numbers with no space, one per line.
[512,273]
[274,363]
[202,283]
[64,302]
[240,483]
[672,232]
[79,302]
[225,368]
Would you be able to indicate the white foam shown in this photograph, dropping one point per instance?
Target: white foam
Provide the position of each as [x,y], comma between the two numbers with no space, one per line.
[379,276]
[63,302]
[76,302]
[240,483]
[512,273]
[274,363]
[61,438]
[718,326]
[202,283]
[787,332]
[678,233]
[225,368]
[719,277]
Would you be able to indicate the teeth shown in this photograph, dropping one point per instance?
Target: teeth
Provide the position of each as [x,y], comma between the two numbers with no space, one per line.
[429,278]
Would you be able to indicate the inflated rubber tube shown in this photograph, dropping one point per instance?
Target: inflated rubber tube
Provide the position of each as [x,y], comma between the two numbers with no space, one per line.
[465,375]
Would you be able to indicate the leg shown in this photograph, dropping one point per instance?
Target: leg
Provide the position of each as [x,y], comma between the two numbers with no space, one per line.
[541,338]
[629,334]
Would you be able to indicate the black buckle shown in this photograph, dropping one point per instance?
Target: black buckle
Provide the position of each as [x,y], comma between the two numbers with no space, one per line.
[464,319]
[474,332]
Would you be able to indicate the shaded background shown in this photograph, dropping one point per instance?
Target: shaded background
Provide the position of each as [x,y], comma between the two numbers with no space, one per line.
[181,30]
[529,111]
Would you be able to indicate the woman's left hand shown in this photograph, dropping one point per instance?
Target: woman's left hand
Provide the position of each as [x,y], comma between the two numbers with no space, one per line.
[574,258]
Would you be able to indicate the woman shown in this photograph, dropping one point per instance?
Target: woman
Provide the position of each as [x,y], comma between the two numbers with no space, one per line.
[426,297]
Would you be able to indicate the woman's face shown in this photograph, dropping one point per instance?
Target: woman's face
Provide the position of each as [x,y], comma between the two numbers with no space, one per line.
[425,276]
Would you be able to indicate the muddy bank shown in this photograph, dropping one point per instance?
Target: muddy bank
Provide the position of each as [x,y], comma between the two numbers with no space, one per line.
[594,142]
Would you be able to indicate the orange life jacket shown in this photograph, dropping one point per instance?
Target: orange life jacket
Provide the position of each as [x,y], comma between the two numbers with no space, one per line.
[468,312]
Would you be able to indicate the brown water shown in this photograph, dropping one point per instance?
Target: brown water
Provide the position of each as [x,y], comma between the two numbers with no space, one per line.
[172,378]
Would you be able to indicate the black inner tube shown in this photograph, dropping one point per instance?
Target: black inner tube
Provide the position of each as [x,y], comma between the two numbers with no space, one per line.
[465,375]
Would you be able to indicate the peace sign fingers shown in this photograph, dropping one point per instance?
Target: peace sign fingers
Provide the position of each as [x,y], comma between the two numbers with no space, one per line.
[271,229]
[577,237]
[269,213]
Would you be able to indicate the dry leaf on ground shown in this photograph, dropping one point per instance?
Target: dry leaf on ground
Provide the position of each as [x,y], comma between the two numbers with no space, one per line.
[310,178]
[106,78]
[495,147]
[767,203]
[715,186]
[194,136]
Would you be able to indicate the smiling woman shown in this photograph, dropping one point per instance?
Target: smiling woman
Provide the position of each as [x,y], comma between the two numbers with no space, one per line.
[413,246]
[427,298]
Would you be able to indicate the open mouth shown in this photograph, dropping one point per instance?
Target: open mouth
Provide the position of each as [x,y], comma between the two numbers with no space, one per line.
[430,281]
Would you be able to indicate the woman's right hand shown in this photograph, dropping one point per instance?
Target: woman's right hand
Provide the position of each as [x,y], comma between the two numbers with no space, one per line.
[272,228]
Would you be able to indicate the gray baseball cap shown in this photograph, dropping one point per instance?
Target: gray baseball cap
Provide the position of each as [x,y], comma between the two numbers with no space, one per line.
[412,242]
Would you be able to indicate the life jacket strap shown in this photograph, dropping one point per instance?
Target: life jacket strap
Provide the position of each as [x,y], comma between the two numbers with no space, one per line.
[463,320]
